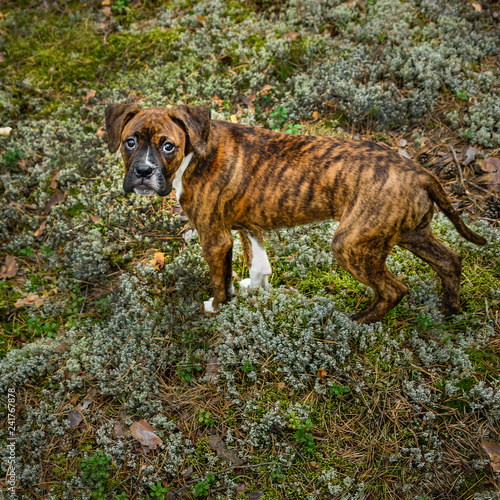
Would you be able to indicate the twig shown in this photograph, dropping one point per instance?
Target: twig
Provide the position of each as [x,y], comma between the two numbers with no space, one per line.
[460,173]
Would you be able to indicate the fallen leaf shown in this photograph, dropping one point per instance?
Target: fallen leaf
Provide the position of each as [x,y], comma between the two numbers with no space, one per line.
[158,261]
[266,89]
[105,2]
[280,385]
[54,200]
[90,94]
[217,444]
[5,130]
[10,268]
[62,347]
[53,182]
[315,115]
[291,35]
[100,133]
[470,155]
[493,451]
[88,400]
[144,433]
[322,374]
[201,19]
[41,229]
[234,119]
[212,370]
[95,219]
[106,11]
[74,418]
[186,473]
[491,169]
[31,299]
[477,6]
[118,429]
[255,495]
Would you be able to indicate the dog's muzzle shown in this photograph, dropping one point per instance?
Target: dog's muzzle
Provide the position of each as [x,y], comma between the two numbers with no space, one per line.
[146,180]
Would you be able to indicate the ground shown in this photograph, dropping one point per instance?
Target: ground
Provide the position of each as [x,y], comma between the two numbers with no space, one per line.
[114,384]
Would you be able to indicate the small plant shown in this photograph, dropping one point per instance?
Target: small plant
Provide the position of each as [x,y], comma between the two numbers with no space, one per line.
[302,435]
[202,488]
[205,418]
[462,95]
[247,367]
[277,476]
[187,371]
[158,491]
[294,129]
[339,390]
[120,6]
[11,157]
[40,328]
[96,472]
[279,115]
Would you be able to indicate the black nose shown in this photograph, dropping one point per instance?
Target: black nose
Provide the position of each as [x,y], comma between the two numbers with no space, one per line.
[143,171]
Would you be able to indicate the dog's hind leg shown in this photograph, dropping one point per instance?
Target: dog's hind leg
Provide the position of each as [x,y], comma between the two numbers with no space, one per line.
[218,252]
[364,257]
[254,250]
[444,261]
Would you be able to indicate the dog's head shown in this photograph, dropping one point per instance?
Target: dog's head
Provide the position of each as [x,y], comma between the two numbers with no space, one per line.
[154,142]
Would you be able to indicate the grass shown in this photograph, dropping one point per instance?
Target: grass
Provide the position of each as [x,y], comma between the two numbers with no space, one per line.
[280,395]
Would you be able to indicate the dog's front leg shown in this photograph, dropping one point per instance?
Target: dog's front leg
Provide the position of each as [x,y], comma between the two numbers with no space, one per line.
[218,252]
[254,250]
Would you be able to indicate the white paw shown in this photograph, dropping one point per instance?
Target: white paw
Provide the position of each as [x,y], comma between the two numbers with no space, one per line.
[207,304]
[245,283]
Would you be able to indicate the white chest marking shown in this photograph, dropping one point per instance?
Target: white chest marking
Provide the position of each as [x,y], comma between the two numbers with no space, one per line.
[177,182]
[260,268]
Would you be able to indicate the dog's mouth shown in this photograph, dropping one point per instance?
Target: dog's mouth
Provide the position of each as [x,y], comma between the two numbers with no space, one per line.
[147,187]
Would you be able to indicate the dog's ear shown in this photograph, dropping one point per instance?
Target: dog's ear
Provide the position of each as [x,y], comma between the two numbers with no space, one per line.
[117,115]
[195,120]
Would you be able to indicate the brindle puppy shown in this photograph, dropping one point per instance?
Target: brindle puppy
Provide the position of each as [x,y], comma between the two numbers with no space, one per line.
[231,176]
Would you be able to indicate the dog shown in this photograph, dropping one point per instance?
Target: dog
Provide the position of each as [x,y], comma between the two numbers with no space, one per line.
[236,177]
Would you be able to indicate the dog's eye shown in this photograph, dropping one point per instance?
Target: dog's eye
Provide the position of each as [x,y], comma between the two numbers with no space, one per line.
[168,147]
[130,143]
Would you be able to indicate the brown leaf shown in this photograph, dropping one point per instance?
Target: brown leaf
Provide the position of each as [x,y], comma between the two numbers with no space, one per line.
[477,6]
[90,94]
[74,418]
[53,182]
[266,89]
[315,115]
[106,11]
[470,155]
[291,35]
[10,268]
[201,19]
[89,399]
[144,433]
[158,261]
[62,347]
[186,473]
[95,219]
[279,385]
[41,229]
[216,444]
[212,370]
[100,133]
[105,2]
[54,200]
[493,451]
[491,167]
[322,374]
[31,299]
[118,429]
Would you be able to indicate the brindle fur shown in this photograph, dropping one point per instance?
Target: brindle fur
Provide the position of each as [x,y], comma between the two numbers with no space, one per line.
[253,180]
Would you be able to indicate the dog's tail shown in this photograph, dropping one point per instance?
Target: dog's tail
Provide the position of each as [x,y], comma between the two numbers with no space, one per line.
[439,197]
